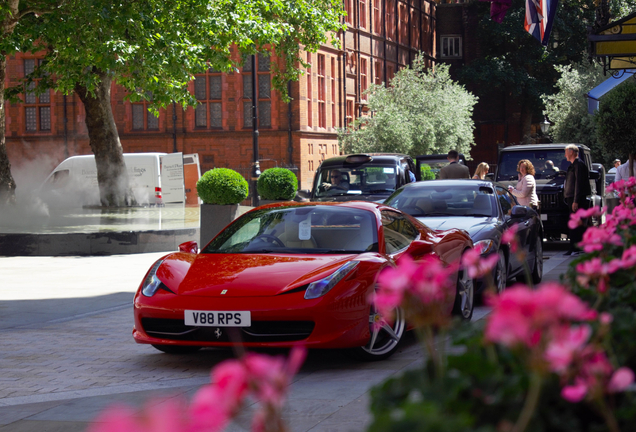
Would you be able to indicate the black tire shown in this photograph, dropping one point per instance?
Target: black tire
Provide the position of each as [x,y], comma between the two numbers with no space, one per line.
[177,349]
[384,341]
[465,297]
[537,268]
[501,273]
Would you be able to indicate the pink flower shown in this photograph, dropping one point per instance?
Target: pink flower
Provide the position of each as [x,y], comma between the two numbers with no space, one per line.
[574,393]
[522,316]
[595,237]
[476,265]
[605,318]
[563,348]
[576,218]
[621,379]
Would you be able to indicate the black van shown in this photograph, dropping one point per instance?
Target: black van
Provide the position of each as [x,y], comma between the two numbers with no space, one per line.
[551,166]
[366,177]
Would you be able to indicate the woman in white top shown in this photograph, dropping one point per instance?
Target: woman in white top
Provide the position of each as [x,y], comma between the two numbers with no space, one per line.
[481,171]
[526,190]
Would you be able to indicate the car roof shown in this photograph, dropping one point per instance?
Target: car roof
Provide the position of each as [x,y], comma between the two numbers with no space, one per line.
[392,158]
[449,182]
[542,146]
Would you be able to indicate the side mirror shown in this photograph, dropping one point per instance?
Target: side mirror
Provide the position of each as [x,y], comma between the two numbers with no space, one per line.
[594,175]
[519,211]
[304,193]
[420,248]
[189,247]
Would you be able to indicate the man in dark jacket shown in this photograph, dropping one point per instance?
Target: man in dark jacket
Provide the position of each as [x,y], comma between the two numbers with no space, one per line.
[575,191]
[454,170]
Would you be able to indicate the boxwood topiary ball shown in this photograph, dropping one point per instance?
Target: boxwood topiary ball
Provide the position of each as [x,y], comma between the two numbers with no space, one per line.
[277,184]
[222,186]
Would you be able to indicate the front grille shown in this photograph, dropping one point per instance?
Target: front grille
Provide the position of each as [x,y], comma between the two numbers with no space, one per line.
[551,200]
[259,331]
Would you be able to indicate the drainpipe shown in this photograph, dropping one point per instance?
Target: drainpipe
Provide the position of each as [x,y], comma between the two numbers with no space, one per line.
[65,130]
[290,144]
[174,127]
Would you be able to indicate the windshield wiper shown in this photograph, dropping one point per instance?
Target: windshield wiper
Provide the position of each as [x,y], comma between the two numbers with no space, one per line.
[378,191]
[477,215]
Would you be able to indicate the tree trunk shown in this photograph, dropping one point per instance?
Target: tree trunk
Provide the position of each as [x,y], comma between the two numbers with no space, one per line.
[7,184]
[112,177]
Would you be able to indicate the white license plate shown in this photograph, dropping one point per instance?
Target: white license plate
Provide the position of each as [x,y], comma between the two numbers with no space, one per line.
[544,217]
[218,318]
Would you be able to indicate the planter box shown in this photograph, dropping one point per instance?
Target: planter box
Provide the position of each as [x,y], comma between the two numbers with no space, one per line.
[216,217]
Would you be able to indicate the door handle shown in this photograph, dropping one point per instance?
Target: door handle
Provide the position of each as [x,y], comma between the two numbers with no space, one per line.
[526,223]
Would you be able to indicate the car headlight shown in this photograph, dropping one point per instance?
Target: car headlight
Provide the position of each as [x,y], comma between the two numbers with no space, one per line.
[320,288]
[486,245]
[151,283]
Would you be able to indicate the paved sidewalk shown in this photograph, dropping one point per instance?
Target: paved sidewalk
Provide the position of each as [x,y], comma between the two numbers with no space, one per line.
[67,352]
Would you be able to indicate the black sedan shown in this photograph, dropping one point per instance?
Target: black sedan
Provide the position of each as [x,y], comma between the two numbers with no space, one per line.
[483,209]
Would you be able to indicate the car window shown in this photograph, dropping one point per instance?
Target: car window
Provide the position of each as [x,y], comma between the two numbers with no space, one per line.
[506,200]
[356,181]
[398,231]
[547,163]
[435,199]
[299,230]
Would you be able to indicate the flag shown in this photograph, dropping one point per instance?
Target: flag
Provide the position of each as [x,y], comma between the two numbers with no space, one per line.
[539,18]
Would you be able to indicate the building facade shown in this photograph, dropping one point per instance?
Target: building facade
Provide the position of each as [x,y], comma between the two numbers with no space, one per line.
[382,36]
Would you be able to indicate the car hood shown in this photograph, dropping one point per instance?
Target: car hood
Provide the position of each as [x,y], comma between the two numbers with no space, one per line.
[474,225]
[243,275]
[375,197]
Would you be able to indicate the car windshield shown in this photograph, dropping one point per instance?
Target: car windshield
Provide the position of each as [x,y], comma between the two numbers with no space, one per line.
[366,179]
[548,164]
[299,230]
[432,199]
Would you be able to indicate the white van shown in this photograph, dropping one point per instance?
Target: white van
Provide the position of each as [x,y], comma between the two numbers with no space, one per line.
[74,181]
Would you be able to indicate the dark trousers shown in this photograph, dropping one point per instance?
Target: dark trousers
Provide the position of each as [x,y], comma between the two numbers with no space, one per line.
[576,234]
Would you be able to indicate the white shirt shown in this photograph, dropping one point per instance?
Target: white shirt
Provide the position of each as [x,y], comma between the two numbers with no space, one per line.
[622,172]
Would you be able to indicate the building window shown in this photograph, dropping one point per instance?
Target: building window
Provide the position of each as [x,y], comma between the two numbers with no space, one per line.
[208,90]
[390,16]
[378,73]
[363,14]
[309,93]
[310,165]
[377,17]
[404,25]
[322,92]
[263,93]
[350,114]
[364,83]
[37,108]
[310,148]
[451,46]
[390,72]
[142,119]
[349,11]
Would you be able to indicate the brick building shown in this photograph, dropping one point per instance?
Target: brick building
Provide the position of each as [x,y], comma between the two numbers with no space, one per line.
[382,36]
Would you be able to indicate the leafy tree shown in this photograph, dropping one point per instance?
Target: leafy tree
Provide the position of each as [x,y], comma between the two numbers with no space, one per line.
[615,119]
[12,39]
[514,62]
[154,47]
[567,108]
[420,112]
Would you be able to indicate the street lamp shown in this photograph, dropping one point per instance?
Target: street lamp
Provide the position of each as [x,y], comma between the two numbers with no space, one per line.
[545,125]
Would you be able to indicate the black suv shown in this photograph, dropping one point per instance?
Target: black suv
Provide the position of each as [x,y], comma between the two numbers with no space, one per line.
[551,166]
[367,177]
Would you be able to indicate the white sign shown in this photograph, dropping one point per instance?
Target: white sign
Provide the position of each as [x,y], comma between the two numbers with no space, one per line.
[172,180]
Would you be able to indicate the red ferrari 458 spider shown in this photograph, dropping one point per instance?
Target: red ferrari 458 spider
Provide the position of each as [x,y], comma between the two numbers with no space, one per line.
[290,273]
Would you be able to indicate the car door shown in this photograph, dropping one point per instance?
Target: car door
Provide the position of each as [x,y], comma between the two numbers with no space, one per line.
[524,226]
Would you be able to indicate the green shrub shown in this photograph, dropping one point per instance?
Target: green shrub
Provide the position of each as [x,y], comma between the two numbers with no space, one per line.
[277,184]
[427,172]
[222,186]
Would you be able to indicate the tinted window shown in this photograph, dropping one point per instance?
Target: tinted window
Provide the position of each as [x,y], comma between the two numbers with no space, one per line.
[356,181]
[398,232]
[506,200]
[547,163]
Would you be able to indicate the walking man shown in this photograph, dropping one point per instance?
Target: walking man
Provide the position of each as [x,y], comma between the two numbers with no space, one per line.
[575,191]
[454,170]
